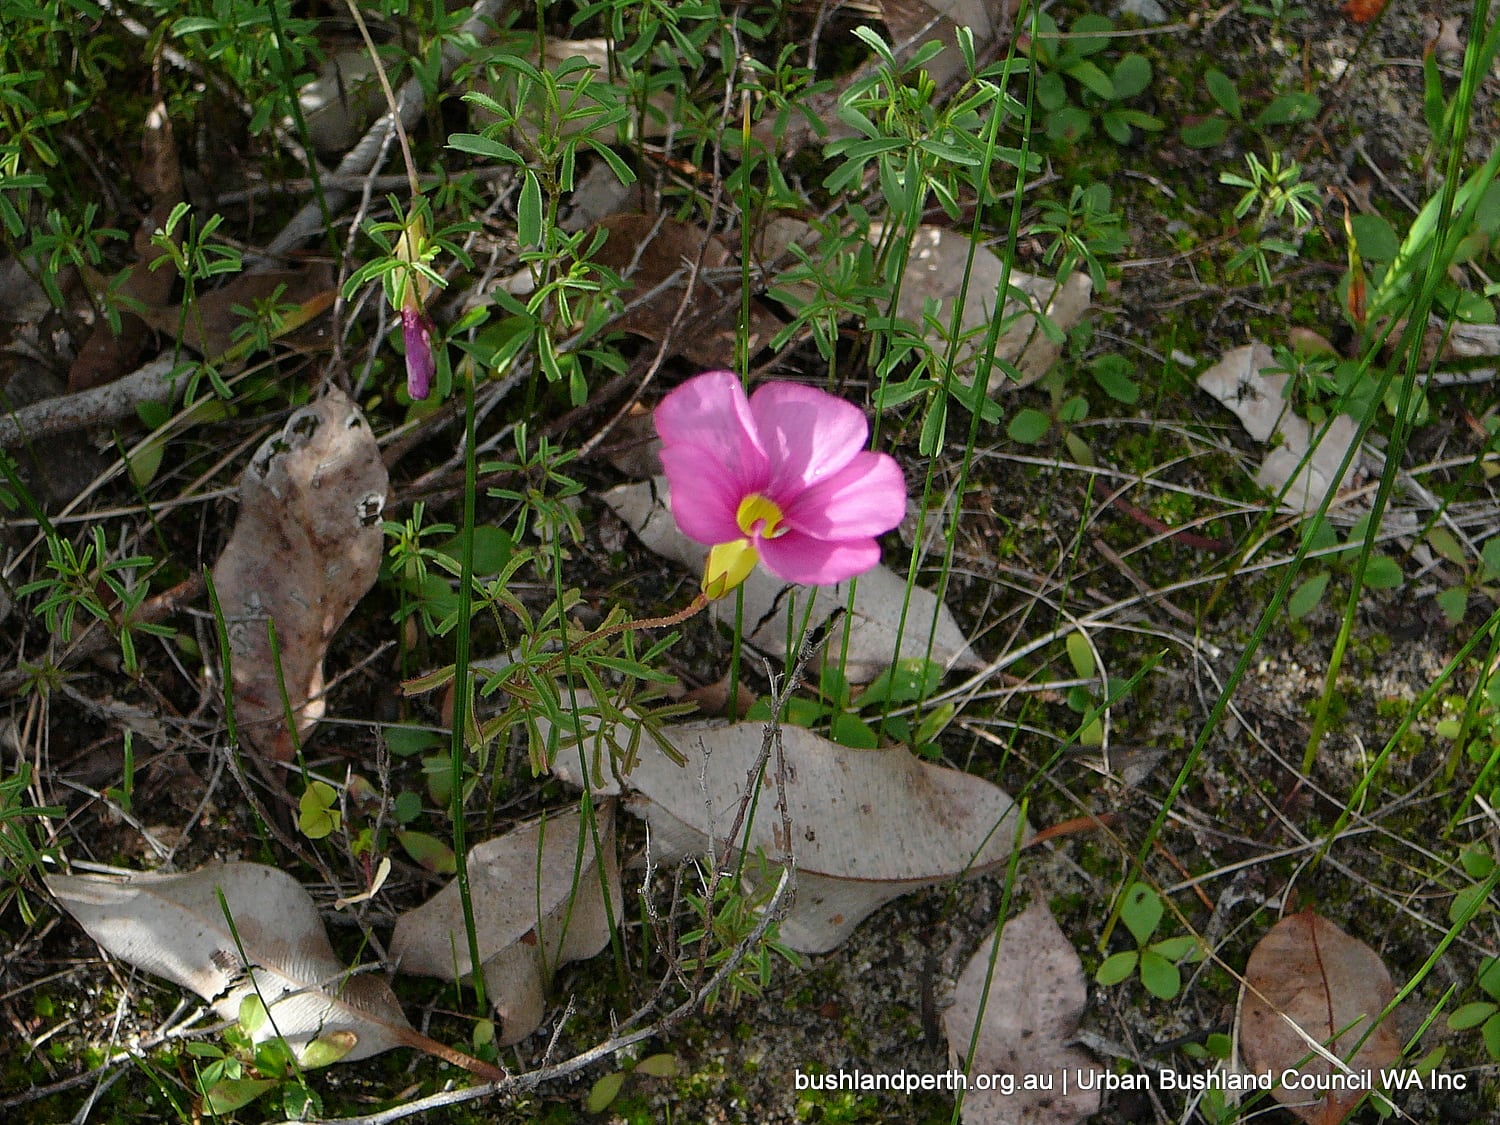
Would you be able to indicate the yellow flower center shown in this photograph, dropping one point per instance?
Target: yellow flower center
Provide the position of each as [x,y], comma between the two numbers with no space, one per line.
[730,563]
[759,516]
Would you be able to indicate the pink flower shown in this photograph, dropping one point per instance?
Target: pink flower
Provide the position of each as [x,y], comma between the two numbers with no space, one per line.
[416,334]
[781,476]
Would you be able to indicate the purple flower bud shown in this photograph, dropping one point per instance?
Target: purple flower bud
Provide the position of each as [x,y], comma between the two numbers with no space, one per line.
[416,332]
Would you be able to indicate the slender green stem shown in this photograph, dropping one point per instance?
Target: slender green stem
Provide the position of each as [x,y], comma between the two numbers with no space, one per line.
[457,743]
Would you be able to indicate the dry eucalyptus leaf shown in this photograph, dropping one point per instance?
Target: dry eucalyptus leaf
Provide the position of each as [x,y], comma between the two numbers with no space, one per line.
[533,911]
[174,926]
[915,22]
[866,825]
[211,321]
[103,357]
[1035,1001]
[935,270]
[305,548]
[772,608]
[1241,381]
[647,250]
[1331,986]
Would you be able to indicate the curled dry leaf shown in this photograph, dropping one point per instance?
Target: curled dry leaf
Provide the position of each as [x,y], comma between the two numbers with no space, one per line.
[866,825]
[1308,982]
[305,548]
[773,610]
[174,926]
[536,906]
[1242,382]
[1036,998]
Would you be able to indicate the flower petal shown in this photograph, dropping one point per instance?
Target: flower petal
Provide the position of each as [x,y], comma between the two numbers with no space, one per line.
[807,434]
[866,497]
[799,558]
[710,413]
[416,336]
[704,494]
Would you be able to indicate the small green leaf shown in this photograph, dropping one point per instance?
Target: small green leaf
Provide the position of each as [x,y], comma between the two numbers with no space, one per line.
[1219,1045]
[1081,656]
[252,1015]
[1491,1033]
[852,731]
[318,813]
[1091,78]
[529,211]
[1223,90]
[1477,861]
[407,806]
[1132,75]
[428,851]
[1454,604]
[1207,133]
[406,741]
[1159,975]
[1489,554]
[1028,426]
[1114,374]
[934,723]
[477,145]
[1383,573]
[1489,974]
[1174,949]
[1376,239]
[235,1093]
[658,1066]
[1464,901]
[1289,109]
[604,1092]
[1141,912]
[1306,596]
[328,1049]
[1117,967]
[1471,1015]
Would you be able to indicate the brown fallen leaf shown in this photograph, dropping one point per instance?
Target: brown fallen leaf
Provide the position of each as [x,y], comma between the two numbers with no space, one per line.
[305,548]
[1242,381]
[179,927]
[936,270]
[208,325]
[913,23]
[104,356]
[534,910]
[1036,999]
[771,607]
[647,251]
[867,826]
[1307,980]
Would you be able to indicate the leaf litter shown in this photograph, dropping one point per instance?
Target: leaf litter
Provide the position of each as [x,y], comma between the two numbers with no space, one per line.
[1031,1009]
[543,894]
[305,548]
[234,930]
[866,826]
[1311,991]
